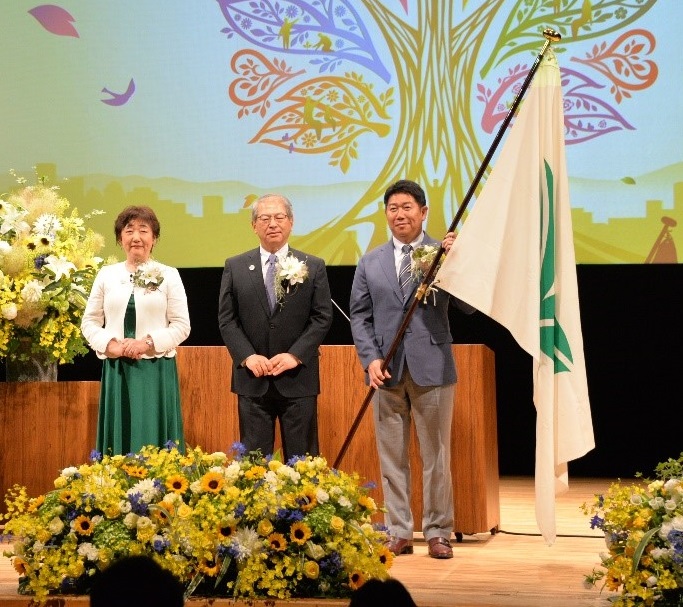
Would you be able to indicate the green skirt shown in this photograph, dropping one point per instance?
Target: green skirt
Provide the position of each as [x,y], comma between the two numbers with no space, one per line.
[139,405]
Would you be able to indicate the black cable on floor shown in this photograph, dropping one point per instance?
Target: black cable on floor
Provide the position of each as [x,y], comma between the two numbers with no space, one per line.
[540,535]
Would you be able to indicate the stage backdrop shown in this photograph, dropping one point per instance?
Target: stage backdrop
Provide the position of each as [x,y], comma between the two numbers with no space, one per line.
[197,107]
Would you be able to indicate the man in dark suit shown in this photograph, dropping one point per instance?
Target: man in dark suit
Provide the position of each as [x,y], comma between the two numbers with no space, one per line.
[418,382]
[274,311]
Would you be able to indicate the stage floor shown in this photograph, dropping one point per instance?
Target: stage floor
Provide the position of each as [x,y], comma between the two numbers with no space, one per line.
[513,568]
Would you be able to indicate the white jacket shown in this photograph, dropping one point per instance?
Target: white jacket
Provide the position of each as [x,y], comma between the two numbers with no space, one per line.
[161,313]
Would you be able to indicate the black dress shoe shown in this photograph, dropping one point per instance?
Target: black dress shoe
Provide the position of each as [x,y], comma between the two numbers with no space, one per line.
[399,546]
[440,548]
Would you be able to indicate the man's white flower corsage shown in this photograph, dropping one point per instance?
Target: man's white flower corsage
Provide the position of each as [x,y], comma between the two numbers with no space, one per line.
[421,260]
[148,276]
[290,271]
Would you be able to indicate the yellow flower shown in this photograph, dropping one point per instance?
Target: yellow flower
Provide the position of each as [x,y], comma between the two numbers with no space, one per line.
[36,503]
[265,527]
[20,565]
[311,570]
[67,496]
[356,579]
[112,511]
[255,472]
[212,482]
[300,533]
[177,483]
[83,525]
[337,524]
[367,502]
[226,531]
[209,567]
[163,512]
[307,499]
[135,471]
[386,557]
[277,542]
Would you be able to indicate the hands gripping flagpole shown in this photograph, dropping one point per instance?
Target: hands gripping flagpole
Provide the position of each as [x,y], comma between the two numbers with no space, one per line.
[550,36]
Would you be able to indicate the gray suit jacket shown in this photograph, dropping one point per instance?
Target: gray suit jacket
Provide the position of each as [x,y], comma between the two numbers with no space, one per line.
[298,326]
[377,311]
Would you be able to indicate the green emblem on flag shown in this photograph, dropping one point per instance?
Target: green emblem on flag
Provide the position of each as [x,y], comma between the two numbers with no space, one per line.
[554,342]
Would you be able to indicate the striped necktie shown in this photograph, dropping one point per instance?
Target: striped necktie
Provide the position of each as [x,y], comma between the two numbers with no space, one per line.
[270,281]
[404,271]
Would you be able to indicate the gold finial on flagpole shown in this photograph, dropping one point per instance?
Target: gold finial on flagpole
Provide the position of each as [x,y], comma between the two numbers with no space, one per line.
[552,35]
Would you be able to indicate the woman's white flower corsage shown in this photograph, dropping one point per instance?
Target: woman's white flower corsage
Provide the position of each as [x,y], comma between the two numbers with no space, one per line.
[290,271]
[148,276]
[421,260]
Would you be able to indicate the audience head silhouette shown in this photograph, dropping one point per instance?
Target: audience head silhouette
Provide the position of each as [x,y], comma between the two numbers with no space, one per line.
[136,581]
[382,593]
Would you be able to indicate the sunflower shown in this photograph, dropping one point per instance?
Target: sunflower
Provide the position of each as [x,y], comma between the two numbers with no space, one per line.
[177,483]
[83,525]
[163,512]
[356,579]
[209,567]
[386,557]
[134,471]
[226,531]
[365,501]
[277,542]
[300,533]
[212,482]
[67,496]
[36,503]
[20,565]
[307,499]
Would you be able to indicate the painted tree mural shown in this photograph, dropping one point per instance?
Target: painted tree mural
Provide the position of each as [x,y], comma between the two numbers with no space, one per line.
[312,74]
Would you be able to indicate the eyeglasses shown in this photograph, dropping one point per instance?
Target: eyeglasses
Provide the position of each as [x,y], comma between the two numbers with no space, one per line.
[265,219]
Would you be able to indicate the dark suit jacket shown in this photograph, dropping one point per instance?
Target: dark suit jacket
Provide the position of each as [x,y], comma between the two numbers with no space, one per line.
[298,326]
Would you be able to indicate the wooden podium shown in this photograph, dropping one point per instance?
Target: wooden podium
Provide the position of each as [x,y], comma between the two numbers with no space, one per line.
[45,427]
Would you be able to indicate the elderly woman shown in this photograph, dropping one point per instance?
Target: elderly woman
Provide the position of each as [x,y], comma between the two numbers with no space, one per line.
[135,318]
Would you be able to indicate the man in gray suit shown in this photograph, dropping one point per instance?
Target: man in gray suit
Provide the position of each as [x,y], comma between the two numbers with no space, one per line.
[419,381]
[274,311]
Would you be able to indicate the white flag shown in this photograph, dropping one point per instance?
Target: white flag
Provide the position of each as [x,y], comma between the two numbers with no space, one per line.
[514,261]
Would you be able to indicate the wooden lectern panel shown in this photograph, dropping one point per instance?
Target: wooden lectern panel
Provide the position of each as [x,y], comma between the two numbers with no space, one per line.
[45,426]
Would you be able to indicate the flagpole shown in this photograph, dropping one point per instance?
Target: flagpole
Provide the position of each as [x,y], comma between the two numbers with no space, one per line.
[550,36]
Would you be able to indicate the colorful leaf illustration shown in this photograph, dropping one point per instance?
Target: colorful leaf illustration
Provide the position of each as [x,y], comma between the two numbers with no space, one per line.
[329,33]
[327,114]
[586,116]
[259,78]
[622,62]
[55,20]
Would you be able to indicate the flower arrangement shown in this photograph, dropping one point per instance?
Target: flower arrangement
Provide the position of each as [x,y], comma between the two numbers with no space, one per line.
[47,266]
[290,272]
[421,260]
[643,526]
[148,276]
[240,526]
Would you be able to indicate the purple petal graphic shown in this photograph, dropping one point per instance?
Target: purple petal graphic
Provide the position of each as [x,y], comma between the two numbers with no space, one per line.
[55,20]
[119,98]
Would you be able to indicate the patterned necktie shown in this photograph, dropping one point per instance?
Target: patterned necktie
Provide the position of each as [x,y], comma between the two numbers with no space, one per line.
[404,271]
[270,281]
